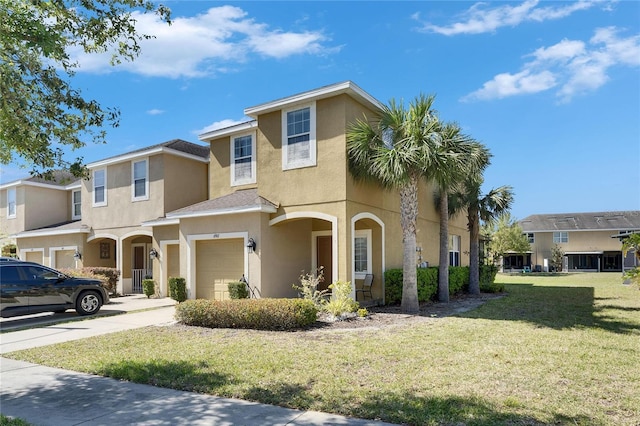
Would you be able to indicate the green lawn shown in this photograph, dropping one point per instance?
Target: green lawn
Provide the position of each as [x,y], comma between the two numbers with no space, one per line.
[556,350]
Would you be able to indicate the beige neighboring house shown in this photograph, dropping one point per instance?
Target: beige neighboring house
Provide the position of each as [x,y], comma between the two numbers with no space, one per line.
[282,202]
[98,221]
[33,203]
[588,240]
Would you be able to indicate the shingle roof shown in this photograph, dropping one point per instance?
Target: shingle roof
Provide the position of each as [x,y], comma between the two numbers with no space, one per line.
[58,177]
[604,221]
[242,200]
[174,144]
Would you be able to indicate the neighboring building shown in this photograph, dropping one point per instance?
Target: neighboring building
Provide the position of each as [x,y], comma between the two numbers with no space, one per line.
[282,181]
[34,203]
[98,221]
[588,240]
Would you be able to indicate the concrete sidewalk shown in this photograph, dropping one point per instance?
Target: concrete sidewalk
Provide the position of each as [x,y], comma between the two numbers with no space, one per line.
[50,396]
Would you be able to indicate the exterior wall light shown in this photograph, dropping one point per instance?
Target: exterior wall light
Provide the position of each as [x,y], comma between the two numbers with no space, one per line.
[77,255]
[251,245]
[153,254]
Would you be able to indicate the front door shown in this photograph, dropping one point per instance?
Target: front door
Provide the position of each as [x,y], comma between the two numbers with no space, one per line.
[324,259]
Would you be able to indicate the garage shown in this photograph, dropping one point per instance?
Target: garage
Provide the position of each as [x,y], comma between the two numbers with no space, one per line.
[217,263]
[64,259]
[33,256]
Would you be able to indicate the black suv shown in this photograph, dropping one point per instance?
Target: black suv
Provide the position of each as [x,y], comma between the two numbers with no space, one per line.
[29,288]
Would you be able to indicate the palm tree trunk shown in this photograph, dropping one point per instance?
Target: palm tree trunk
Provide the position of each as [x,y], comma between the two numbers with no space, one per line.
[474,252]
[443,269]
[408,219]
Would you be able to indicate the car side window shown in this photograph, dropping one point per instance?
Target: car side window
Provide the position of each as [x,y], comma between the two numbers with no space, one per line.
[35,273]
[9,275]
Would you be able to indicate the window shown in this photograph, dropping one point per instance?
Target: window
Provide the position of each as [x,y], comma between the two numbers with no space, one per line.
[560,237]
[99,187]
[243,164]
[140,183]
[299,141]
[454,250]
[530,237]
[11,203]
[362,253]
[76,204]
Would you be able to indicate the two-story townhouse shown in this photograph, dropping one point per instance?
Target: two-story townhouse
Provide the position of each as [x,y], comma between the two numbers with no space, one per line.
[34,203]
[282,202]
[589,240]
[121,193]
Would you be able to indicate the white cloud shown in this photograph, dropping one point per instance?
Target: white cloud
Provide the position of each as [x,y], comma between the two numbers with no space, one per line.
[206,44]
[155,111]
[227,122]
[575,67]
[480,19]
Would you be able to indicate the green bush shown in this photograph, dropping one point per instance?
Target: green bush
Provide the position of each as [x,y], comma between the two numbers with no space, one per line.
[259,314]
[108,276]
[341,301]
[149,287]
[458,279]
[308,288]
[178,289]
[427,283]
[487,279]
[238,290]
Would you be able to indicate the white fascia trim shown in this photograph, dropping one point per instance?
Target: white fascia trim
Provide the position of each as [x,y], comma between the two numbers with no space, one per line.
[574,230]
[147,153]
[161,222]
[220,212]
[36,184]
[227,131]
[323,92]
[30,234]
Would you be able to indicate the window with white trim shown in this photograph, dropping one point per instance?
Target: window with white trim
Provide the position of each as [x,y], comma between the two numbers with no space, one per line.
[243,160]
[76,204]
[139,180]
[362,253]
[100,187]
[299,137]
[11,203]
[454,250]
[530,237]
[560,237]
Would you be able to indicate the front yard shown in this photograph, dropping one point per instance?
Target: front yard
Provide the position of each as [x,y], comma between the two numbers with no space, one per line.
[556,350]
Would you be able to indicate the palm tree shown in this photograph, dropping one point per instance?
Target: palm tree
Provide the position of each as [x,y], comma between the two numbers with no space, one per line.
[455,157]
[485,208]
[392,150]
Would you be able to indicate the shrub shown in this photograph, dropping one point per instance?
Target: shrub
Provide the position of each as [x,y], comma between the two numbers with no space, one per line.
[458,279]
[238,290]
[487,279]
[427,284]
[259,314]
[341,301]
[108,276]
[362,312]
[149,287]
[308,288]
[178,289]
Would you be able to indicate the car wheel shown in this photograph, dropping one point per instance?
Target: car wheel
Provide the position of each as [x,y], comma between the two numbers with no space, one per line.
[88,303]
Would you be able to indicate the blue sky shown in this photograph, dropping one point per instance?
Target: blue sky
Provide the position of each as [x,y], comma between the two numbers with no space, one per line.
[551,88]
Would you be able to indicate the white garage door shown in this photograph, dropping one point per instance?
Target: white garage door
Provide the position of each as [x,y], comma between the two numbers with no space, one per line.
[34,256]
[64,259]
[217,263]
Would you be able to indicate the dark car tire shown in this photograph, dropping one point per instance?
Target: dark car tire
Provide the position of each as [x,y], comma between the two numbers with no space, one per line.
[88,303]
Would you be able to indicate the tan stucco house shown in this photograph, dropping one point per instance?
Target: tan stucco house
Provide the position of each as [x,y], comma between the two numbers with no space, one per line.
[282,202]
[589,240]
[98,221]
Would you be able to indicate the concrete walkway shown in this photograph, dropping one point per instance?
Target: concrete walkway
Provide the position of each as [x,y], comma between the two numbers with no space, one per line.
[50,396]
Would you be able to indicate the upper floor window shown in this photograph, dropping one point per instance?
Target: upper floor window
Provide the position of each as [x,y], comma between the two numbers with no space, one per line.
[76,204]
[100,187]
[140,181]
[299,137]
[11,203]
[530,237]
[560,237]
[362,253]
[243,160]
[454,250]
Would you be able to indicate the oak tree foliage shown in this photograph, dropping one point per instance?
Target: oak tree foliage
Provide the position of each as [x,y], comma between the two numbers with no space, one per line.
[41,113]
